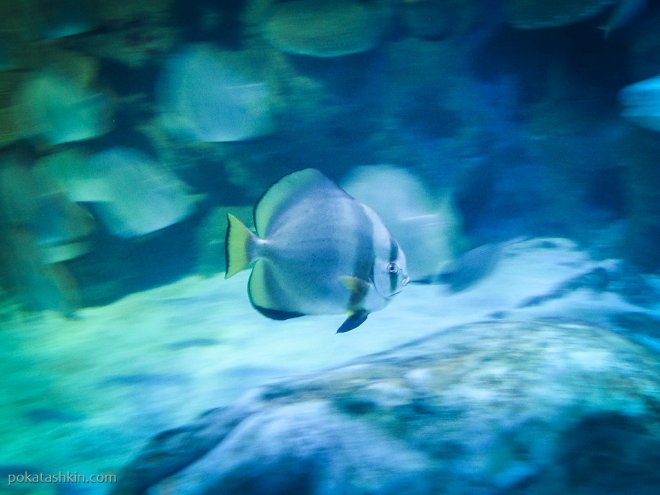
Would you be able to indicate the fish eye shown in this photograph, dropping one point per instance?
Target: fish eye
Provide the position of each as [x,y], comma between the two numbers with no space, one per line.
[392,268]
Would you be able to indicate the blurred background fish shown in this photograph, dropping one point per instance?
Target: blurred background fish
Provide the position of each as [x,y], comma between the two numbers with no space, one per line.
[641,103]
[137,195]
[426,224]
[40,229]
[133,194]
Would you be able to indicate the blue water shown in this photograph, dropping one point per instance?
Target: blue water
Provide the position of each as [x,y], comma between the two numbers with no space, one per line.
[515,133]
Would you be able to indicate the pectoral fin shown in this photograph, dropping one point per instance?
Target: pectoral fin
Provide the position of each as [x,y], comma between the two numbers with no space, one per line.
[358,289]
[354,320]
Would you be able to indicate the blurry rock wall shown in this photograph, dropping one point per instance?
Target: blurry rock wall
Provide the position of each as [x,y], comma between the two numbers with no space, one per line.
[510,106]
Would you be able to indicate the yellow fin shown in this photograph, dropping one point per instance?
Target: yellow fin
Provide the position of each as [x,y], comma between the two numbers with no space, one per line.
[354,284]
[238,241]
[358,289]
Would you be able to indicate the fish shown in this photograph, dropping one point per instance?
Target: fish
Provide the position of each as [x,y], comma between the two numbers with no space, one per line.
[426,224]
[316,250]
[471,267]
[134,195]
[624,11]
[640,103]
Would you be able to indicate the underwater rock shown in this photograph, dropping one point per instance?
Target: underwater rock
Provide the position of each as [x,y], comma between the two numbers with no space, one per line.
[640,327]
[535,14]
[641,103]
[595,280]
[428,228]
[326,28]
[206,94]
[59,109]
[493,407]
[133,194]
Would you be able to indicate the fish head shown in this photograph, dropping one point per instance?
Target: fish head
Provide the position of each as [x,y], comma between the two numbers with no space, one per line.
[390,274]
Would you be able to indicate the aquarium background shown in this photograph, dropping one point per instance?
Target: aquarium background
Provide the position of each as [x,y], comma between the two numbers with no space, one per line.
[512,147]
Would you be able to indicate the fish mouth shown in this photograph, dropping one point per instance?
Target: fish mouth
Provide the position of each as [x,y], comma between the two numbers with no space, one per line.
[405,279]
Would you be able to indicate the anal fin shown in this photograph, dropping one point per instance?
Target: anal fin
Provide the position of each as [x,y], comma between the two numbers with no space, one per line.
[354,320]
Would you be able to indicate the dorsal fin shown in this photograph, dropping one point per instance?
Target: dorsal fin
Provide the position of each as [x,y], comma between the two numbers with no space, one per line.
[286,192]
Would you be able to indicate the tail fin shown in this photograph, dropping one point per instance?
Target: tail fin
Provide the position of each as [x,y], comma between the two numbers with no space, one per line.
[238,241]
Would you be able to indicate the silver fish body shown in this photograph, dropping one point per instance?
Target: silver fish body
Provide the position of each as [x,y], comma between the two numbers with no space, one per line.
[317,251]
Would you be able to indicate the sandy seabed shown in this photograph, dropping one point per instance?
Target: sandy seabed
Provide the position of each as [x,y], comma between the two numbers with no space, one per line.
[85,395]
